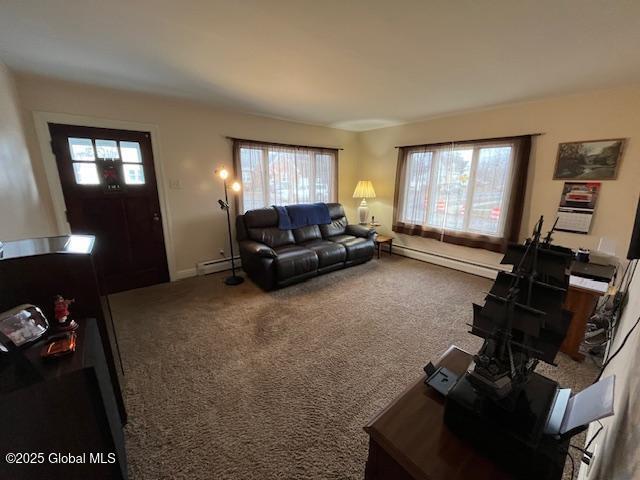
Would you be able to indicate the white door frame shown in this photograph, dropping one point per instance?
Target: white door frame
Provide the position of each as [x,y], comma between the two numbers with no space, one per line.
[42,119]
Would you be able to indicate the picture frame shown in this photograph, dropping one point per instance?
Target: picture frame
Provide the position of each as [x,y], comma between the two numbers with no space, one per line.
[589,159]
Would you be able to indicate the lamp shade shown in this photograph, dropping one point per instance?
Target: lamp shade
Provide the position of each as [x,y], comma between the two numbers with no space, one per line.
[364,189]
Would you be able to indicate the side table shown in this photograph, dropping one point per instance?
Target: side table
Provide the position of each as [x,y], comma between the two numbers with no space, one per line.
[380,239]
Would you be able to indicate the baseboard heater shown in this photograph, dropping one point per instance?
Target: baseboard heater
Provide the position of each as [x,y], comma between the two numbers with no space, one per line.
[480,269]
[213,266]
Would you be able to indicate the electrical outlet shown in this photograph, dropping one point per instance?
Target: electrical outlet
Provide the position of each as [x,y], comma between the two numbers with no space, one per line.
[222,252]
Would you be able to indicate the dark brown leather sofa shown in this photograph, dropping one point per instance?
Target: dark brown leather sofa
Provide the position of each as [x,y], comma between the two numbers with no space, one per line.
[276,258]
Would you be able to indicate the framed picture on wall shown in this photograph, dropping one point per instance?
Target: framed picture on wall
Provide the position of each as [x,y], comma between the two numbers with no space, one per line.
[589,160]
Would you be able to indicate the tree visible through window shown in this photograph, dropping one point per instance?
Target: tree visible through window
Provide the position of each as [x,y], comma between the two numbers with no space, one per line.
[461,190]
[284,175]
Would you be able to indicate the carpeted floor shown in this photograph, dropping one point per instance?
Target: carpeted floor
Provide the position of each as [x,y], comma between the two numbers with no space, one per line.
[234,383]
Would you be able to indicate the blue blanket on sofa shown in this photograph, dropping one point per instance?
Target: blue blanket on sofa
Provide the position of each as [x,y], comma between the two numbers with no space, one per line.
[302,215]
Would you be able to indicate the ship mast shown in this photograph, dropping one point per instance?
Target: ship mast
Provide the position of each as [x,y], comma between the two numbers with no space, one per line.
[521,323]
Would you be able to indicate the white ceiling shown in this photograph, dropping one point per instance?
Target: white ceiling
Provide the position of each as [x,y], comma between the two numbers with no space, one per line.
[354,64]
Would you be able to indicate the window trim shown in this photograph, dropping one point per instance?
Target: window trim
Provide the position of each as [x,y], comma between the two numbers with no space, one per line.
[238,143]
[514,199]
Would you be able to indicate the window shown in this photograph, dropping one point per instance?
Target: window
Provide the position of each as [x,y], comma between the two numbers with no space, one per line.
[467,193]
[107,149]
[132,163]
[92,155]
[83,158]
[283,175]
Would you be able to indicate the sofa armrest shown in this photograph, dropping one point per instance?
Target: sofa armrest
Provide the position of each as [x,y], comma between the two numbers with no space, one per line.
[252,247]
[360,231]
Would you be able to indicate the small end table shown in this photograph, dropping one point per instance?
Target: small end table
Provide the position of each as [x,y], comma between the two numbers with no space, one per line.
[380,239]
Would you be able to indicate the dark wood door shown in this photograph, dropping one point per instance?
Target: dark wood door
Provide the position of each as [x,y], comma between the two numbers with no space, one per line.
[110,190]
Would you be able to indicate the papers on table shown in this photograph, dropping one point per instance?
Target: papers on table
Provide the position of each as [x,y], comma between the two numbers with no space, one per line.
[591,404]
[558,409]
[588,284]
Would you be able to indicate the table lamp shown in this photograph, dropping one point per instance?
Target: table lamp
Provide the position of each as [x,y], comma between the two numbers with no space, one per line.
[223,173]
[364,190]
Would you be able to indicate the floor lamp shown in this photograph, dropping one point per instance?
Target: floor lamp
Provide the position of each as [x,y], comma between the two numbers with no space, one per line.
[224,205]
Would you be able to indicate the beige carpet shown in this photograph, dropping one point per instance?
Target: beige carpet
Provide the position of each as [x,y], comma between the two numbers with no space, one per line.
[234,383]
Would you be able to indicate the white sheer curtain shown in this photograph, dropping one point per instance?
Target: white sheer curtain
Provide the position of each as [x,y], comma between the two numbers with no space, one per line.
[283,175]
[462,190]
[457,187]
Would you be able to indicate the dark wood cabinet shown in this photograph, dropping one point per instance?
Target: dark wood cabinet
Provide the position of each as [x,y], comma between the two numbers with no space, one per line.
[581,303]
[71,405]
[71,410]
[35,270]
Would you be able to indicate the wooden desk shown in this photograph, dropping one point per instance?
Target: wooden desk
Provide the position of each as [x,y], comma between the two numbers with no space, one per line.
[408,439]
[581,302]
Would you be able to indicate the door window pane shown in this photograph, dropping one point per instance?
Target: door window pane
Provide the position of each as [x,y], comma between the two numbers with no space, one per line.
[86,173]
[133,174]
[107,149]
[81,149]
[130,152]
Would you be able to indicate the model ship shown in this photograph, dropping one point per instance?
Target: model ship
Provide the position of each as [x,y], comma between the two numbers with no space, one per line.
[516,416]
[522,321]
[500,403]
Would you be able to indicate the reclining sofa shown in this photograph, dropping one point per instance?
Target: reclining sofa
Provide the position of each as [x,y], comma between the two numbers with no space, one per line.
[275,258]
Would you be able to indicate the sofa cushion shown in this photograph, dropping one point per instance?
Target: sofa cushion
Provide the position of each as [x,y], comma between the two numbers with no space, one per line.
[356,247]
[336,227]
[340,238]
[272,236]
[336,210]
[329,253]
[261,217]
[305,234]
[294,260]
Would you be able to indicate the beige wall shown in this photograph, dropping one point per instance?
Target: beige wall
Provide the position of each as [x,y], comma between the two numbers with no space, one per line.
[616,448]
[192,144]
[597,115]
[22,213]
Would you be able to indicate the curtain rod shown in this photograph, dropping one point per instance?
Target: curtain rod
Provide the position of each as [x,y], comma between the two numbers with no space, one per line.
[470,141]
[281,144]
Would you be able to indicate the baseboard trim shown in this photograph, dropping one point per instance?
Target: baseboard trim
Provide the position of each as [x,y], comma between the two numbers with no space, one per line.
[482,270]
[214,266]
[186,273]
[205,268]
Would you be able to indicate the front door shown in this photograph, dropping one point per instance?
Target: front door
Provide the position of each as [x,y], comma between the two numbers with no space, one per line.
[110,191]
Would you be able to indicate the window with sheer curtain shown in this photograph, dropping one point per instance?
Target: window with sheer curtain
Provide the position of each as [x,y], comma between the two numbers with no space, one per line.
[282,175]
[468,193]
